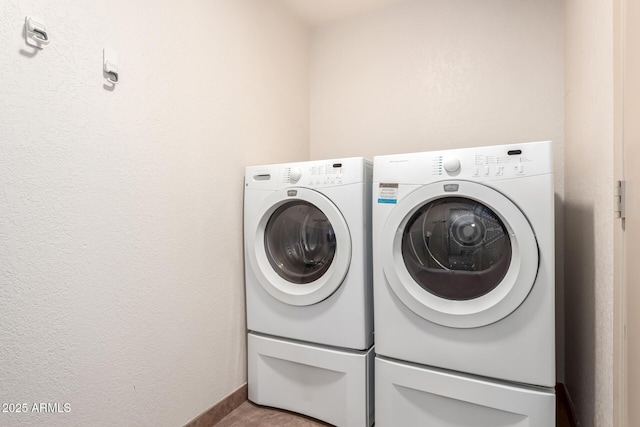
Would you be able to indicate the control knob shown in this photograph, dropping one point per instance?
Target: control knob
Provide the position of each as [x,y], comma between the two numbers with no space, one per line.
[451,164]
[295,174]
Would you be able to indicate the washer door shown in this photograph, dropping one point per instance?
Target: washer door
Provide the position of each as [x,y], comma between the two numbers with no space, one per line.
[302,247]
[459,254]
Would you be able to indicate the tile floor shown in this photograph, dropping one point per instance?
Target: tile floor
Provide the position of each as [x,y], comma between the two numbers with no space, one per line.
[251,415]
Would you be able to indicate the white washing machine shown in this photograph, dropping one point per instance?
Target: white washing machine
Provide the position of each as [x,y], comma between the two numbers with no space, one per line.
[464,281]
[309,288]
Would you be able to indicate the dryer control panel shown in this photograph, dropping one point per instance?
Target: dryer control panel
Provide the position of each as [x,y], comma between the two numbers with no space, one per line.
[482,165]
[314,174]
[477,164]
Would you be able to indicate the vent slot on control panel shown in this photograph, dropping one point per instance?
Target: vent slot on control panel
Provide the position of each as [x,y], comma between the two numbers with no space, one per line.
[514,152]
[337,165]
[262,177]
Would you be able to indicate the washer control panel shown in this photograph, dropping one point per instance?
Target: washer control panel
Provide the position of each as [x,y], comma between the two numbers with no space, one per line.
[328,173]
[513,163]
[482,165]
[478,164]
[318,173]
[314,174]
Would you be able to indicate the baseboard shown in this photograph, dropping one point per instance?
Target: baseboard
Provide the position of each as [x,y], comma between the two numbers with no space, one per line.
[565,400]
[221,409]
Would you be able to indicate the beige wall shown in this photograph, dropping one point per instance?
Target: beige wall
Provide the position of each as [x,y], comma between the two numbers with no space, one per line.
[121,274]
[588,209]
[116,291]
[425,75]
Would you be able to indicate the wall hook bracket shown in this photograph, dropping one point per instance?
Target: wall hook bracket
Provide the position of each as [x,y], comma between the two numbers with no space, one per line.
[110,65]
[36,32]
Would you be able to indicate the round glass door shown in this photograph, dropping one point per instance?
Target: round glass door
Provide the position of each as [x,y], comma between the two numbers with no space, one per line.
[456,248]
[461,258]
[300,242]
[301,250]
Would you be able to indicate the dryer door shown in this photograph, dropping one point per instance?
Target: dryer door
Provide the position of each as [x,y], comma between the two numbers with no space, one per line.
[459,254]
[302,249]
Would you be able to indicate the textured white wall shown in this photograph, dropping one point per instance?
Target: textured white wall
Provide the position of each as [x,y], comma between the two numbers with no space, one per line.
[588,209]
[423,75]
[121,276]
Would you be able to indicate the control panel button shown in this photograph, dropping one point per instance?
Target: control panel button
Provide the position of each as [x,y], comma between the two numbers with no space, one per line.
[451,164]
[295,175]
[520,168]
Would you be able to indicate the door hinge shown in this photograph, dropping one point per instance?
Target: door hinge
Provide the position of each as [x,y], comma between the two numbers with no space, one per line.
[619,196]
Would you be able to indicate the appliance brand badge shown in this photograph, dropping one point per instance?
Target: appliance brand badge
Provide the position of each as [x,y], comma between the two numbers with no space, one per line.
[292,193]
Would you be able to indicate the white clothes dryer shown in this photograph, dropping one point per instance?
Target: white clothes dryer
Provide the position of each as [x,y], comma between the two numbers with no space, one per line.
[464,262]
[309,291]
[307,251]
